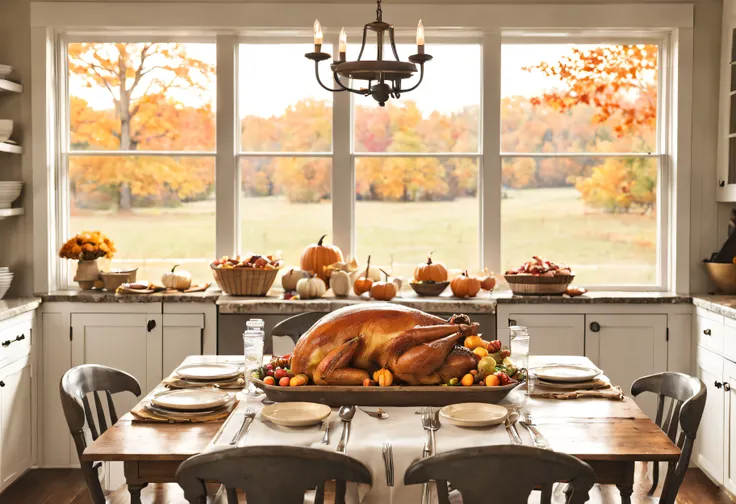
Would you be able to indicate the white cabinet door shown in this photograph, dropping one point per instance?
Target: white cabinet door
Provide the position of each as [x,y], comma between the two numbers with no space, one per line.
[709,443]
[15,421]
[553,334]
[183,335]
[130,342]
[729,410]
[627,347]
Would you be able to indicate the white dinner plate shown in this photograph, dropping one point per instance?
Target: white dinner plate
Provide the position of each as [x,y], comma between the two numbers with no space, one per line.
[208,372]
[474,414]
[296,414]
[191,399]
[566,373]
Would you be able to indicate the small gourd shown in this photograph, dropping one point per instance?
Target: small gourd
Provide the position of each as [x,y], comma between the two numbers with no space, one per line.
[291,277]
[383,291]
[430,271]
[310,288]
[340,283]
[178,280]
[464,285]
[364,283]
[488,281]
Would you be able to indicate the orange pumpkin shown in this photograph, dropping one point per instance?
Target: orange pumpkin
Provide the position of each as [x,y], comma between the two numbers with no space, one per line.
[488,282]
[465,286]
[430,271]
[383,291]
[316,257]
[364,283]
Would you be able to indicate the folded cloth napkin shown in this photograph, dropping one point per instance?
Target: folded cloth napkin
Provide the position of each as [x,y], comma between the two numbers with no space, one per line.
[611,393]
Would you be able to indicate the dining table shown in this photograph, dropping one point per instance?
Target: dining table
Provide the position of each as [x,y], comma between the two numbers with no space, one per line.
[609,435]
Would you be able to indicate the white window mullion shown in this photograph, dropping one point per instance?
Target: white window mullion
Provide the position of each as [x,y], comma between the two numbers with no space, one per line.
[227,179]
[343,174]
[489,173]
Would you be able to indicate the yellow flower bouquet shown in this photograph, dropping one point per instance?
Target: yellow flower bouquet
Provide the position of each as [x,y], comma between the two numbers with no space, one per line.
[88,246]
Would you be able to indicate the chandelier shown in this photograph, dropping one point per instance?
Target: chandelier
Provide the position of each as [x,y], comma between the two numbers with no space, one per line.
[384,76]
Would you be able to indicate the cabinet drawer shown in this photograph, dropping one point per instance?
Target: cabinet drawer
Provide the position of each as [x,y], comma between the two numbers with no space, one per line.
[15,341]
[709,330]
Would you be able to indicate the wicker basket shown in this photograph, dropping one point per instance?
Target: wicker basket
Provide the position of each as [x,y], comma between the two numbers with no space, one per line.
[536,285]
[245,281]
[114,279]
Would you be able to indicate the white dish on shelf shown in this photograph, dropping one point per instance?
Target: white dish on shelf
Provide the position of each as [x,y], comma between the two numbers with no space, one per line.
[9,192]
[5,70]
[6,129]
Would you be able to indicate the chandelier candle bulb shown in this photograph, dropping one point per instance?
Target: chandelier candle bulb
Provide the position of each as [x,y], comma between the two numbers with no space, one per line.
[318,37]
[420,37]
[343,45]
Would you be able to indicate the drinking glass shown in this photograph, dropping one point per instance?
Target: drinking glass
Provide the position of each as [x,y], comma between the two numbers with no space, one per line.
[519,338]
[253,352]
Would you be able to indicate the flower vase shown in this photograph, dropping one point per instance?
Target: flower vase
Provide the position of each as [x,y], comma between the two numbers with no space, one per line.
[87,274]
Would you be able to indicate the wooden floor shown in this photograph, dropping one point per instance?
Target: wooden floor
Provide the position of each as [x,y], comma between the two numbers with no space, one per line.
[66,486]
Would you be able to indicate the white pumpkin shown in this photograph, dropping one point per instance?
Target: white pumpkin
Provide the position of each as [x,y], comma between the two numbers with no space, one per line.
[340,283]
[310,288]
[179,280]
[291,277]
[374,273]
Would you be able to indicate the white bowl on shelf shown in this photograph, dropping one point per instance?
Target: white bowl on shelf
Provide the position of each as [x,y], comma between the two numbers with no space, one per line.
[9,192]
[5,70]
[6,129]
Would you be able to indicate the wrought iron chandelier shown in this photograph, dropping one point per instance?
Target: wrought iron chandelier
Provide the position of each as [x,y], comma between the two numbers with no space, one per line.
[384,76]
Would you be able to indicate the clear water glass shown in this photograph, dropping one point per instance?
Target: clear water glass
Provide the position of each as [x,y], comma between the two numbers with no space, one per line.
[253,340]
[519,339]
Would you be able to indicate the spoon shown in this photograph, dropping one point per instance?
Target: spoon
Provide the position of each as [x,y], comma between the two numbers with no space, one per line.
[379,413]
[510,423]
[346,414]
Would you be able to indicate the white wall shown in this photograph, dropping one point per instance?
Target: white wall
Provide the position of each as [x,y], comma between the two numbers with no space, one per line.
[15,233]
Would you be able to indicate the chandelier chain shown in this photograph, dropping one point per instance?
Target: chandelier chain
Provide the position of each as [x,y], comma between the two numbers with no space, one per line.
[379,12]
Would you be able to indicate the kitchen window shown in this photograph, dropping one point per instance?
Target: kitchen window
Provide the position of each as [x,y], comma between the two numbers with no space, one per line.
[582,159]
[579,183]
[139,153]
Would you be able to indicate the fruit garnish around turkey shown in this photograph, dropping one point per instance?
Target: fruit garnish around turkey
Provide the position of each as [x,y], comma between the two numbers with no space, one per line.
[540,267]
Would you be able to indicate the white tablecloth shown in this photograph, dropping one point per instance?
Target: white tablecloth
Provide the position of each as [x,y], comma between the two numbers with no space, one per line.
[403,428]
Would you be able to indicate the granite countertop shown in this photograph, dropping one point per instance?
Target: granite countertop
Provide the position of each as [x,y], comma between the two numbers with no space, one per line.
[11,307]
[95,296]
[720,304]
[483,303]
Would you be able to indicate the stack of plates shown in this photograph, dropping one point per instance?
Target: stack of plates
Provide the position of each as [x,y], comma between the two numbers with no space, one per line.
[567,374]
[6,278]
[9,192]
[5,70]
[188,403]
[6,128]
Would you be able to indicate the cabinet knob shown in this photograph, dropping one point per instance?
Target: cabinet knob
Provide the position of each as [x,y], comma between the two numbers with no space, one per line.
[706,332]
[7,342]
[722,183]
[726,387]
[718,384]
[2,383]
[595,326]
[20,338]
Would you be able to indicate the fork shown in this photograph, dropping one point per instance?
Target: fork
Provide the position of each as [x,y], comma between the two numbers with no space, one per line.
[250,414]
[388,460]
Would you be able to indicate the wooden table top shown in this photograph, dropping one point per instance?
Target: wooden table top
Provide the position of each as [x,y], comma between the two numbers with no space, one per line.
[589,429]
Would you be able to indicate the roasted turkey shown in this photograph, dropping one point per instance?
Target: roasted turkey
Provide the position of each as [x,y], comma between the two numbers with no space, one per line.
[347,345]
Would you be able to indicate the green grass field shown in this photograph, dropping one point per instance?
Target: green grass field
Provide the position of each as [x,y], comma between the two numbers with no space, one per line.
[603,248]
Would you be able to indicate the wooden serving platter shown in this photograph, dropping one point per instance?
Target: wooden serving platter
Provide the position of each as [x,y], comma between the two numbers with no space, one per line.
[429,395]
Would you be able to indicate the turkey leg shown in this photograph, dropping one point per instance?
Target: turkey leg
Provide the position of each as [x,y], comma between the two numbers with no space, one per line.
[333,368]
[425,358]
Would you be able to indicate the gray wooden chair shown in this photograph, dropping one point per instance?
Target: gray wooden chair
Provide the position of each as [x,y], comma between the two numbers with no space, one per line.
[293,327]
[76,384]
[686,397]
[518,470]
[270,474]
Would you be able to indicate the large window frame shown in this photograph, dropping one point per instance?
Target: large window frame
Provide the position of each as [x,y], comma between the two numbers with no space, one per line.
[53,27]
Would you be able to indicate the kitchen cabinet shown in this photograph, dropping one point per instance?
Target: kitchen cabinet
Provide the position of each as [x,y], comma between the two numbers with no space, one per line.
[553,334]
[131,342]
[628,347]
[709,447]
[15,421]
[729,424]
[727,108]
[182,336]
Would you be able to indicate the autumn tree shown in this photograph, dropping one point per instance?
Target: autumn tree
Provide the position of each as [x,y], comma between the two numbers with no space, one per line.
[144,82]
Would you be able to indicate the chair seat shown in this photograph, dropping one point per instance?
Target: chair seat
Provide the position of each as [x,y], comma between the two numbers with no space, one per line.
[162,493]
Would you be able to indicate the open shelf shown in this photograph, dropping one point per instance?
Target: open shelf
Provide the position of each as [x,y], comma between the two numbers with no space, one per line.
[11,148]
[10,212]
[13,87]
